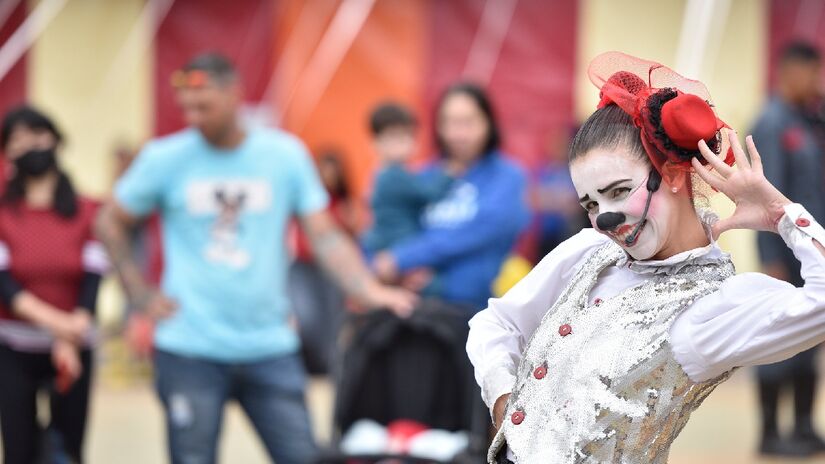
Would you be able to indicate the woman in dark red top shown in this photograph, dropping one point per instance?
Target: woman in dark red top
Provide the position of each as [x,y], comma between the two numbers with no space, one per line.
[50,268]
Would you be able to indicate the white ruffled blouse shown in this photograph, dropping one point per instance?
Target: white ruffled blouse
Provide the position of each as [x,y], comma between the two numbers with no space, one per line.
[752,319]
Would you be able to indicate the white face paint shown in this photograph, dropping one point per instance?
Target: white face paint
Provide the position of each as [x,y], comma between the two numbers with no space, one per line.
[615,181]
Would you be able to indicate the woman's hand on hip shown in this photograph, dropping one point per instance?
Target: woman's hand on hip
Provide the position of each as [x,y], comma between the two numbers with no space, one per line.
[155,304]
[498,410]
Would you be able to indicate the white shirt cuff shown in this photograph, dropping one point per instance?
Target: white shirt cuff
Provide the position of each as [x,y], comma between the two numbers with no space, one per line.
[798,224]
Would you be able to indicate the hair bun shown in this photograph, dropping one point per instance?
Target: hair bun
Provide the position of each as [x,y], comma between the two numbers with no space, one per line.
[625,80]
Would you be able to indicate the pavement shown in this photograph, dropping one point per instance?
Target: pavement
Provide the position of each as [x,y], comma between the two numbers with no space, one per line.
[126,425]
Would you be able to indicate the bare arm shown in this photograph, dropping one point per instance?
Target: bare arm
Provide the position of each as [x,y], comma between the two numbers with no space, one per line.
[112,227]
[339,256]
[26,305]
[72,327]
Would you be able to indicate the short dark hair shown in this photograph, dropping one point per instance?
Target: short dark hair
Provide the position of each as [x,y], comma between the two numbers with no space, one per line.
[608,128]
[800,51]
[216,65]
[391,114]
[29,117]
[479,96]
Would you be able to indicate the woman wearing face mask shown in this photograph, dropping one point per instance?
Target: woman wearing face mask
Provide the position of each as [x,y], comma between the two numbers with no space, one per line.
[602,352]
[50,268]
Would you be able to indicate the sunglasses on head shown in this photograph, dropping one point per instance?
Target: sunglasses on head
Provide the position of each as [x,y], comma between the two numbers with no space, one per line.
[194,79]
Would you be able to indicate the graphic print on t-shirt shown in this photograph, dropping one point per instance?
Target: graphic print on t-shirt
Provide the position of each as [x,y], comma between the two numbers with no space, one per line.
[226,200]
[459,206]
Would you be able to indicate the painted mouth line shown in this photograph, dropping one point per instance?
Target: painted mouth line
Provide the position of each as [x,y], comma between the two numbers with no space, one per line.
[626,231]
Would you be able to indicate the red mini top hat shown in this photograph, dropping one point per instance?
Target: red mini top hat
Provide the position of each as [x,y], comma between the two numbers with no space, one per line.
[672,112]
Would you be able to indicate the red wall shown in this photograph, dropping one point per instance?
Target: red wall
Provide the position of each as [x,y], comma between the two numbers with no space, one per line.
[532,83]
[792,20]
[240,29]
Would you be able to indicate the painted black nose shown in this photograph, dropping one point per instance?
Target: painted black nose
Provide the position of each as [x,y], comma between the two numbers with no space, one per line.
[609,221]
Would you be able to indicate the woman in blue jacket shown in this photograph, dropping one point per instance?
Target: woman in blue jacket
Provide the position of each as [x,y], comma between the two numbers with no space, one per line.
[468,234]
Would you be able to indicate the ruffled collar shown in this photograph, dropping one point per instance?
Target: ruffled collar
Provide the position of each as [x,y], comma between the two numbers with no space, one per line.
[708,254]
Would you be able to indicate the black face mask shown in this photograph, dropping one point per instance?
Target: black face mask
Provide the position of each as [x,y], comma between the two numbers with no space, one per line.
[35,163]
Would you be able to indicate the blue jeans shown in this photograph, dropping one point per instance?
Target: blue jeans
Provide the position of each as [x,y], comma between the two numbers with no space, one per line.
[270,391]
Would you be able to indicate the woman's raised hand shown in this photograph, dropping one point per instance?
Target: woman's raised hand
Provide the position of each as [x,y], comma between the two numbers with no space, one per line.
[759,205]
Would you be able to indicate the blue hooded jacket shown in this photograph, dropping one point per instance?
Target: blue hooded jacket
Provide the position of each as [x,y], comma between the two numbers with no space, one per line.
[469,233]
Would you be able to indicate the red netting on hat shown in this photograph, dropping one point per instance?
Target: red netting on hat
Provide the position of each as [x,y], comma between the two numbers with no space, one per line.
[625,82]
[642,89]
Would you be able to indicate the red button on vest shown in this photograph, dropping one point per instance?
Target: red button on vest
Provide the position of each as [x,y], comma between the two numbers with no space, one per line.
[565,330]
[802,222]
[517,417]
[540,372]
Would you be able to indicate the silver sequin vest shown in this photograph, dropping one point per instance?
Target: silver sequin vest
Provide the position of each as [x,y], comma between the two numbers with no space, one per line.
[598,382]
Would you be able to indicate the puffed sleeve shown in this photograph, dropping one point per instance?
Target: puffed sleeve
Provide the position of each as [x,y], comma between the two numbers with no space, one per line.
[498,334]
[755,319]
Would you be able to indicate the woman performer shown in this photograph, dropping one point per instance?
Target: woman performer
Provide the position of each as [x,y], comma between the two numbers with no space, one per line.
[602,352]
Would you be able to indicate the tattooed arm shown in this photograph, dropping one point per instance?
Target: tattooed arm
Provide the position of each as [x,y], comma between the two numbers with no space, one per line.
[340,257]
[112,228]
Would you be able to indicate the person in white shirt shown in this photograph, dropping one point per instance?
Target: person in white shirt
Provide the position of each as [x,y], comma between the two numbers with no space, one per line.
[602,352]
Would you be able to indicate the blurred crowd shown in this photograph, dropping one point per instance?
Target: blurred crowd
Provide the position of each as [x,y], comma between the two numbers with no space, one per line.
[272,269]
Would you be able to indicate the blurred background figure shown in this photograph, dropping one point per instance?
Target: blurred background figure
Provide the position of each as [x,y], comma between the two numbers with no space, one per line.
[225,194]
[553,198]
[50,270]
[398,196]
[445,232]
[468,234]
[793,161]
[318,69]
[342,203]
[316,300]
[203,355]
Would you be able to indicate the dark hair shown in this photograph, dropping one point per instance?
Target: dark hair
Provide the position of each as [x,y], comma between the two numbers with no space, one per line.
[800,51]
[479,96]
[216,65]
[30,118]
[608,128]
[333,158]
[391,114]
[65,198]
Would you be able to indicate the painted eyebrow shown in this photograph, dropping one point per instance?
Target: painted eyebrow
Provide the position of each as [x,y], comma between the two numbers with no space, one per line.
[613,184]
[584,198]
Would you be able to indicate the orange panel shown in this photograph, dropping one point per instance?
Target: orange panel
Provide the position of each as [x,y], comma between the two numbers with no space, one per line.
[386,60]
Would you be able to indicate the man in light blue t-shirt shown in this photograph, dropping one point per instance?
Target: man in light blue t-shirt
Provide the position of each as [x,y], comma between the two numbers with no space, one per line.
[225,196]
